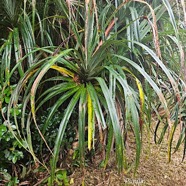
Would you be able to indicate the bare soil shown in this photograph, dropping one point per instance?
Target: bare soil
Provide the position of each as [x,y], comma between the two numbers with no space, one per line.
[154,169]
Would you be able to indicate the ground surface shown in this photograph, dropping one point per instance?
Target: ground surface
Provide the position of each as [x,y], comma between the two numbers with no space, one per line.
[154,169]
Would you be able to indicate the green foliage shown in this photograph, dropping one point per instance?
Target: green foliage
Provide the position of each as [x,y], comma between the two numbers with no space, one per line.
[61,178]
[10,153]
[7,178]
[99,66]
[10,149]
[51,132]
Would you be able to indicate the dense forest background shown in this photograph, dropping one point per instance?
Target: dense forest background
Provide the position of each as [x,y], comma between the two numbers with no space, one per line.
[81,78]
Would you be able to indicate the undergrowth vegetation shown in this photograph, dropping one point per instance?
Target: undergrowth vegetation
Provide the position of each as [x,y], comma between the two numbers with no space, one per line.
[77,76]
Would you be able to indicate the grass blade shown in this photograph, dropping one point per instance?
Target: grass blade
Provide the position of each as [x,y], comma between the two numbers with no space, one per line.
[61,131]
[115,122]
[81,125]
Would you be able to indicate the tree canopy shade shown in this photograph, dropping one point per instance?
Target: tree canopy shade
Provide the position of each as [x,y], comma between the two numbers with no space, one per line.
[113,64]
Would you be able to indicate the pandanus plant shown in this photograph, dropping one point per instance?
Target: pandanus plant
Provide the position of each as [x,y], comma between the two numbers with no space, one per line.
[102,68]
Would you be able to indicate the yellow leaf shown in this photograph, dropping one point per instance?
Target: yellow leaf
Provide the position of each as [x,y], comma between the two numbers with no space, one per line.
[141,93]
[140,88]
[62,70]
[90,121]
[71,181]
